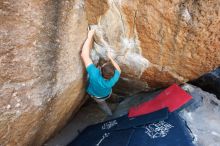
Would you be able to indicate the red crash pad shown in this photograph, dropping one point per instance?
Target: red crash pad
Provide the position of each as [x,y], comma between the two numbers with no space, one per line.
[173,98]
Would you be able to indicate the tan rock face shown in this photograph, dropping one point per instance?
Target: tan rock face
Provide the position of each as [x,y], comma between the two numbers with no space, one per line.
[184,39]
[41,73]
[41,79]
[162,42]
[94,9]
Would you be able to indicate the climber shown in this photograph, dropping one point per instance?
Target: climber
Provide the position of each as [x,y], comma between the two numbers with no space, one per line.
[100,80]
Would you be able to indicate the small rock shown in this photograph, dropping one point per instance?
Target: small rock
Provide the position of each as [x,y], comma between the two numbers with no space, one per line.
[8,106]
[18,105]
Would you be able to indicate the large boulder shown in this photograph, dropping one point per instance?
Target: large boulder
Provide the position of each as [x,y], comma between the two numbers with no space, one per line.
[160,42]
[41,74]
[41,79]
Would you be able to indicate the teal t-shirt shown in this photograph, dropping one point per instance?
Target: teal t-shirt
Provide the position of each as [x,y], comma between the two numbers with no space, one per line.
[99,86]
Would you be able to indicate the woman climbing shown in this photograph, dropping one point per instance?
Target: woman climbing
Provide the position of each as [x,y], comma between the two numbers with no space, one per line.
[100,80]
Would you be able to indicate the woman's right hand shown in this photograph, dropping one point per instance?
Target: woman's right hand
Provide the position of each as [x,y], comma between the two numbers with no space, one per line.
[109,54]
[91,33]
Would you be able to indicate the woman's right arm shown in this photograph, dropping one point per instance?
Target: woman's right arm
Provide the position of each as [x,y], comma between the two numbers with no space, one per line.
[86,49]
[113,62]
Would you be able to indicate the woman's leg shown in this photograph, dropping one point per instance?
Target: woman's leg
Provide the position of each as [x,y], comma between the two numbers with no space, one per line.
[103,105]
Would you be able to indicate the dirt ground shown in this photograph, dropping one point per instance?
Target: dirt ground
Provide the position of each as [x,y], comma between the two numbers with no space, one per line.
[87,115]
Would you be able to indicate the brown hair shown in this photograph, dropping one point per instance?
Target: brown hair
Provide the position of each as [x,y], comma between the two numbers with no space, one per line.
[107,70]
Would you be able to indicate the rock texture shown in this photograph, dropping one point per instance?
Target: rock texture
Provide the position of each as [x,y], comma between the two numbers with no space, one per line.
[41,73]
[162,42]
[41,79]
